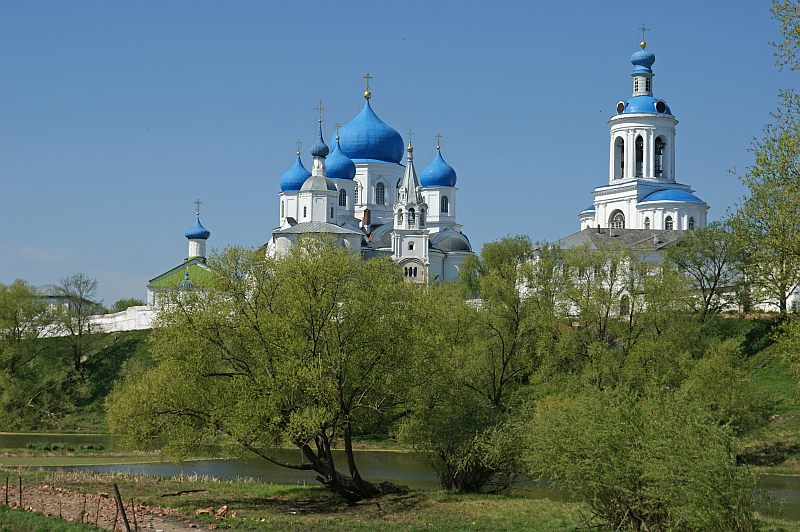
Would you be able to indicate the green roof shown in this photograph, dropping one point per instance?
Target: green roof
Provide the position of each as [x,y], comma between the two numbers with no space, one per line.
[198,271]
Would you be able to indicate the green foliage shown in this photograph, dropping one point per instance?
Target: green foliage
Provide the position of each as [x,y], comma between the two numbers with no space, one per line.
[299,349]
[13,519]
[709,257]
[124,303]
[767,224]
[718,384]
[789,344]
[787,13]
[653,462]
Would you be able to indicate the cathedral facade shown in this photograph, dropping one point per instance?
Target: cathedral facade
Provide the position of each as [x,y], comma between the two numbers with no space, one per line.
[366,195]
[642,190]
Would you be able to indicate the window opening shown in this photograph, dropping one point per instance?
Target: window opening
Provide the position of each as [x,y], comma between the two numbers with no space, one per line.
[380,193]
[647,222]
[445,205]
[691,223]
[617,220]
[639,156]
[669,225]
[342,198]
[659,162]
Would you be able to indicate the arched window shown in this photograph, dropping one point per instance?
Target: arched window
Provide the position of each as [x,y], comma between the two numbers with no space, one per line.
[444,205]
[636,84]
[691,223]
[399,217]
[405,271]
[624,306]
[648,84]
[331,212]
[411,246]
[617,220]
[647,222]
[619,158]
[305,212]
[659,162]
[414,274]
[355,195]
[282,210]
[380,193]
[639,156]
[343,198]
[412,217]
[669,225]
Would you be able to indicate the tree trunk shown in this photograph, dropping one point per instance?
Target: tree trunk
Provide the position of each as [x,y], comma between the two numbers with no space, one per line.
[349,488]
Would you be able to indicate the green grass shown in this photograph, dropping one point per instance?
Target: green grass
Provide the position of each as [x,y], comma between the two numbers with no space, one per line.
[262,506]
[775,446]
[17,520]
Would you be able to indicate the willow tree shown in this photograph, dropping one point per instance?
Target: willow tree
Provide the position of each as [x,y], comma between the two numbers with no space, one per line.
[767,223]
[267,352]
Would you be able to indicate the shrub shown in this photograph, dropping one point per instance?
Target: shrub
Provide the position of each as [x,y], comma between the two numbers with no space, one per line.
[652,462]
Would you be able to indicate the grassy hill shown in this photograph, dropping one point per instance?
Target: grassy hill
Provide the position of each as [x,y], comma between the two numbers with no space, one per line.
[48,394]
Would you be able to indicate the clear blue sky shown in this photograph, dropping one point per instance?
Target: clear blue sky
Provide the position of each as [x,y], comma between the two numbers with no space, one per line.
[114,116]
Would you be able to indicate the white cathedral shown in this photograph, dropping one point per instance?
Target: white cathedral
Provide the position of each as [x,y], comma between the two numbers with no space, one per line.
[366,197]
[642,190]
[362,196]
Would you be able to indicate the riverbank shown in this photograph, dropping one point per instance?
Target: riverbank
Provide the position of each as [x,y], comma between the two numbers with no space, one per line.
[189,500]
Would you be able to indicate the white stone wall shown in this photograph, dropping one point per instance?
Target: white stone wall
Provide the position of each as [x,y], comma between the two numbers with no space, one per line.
[130,319]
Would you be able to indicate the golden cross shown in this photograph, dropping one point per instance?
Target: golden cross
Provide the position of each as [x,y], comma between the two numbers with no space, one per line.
[367,77]
[299,143]
[337,130]
[643,29]
[320,109]
[197,203]
[438,141]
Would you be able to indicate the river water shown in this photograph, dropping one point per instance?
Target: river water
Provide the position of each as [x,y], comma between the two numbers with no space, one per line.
[778,496]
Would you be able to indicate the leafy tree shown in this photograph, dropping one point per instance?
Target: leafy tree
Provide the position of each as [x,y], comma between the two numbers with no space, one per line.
[467,439]
[653,462]
[463,417]
[504,320]
[718,383]
[23,317]
[768,221]
[708,256]
[787,13]
[599,284]
[301,350]
[72,313]
[124,303]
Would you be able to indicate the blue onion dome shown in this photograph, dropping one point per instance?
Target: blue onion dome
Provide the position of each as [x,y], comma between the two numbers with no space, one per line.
[646,104]
[642,62]
[197,231]
[338,165]
[438,173]
[367,138]
[293,179]
[320,149]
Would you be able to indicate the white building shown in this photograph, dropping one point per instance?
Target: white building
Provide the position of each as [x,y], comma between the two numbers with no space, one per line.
[642,190]
[364,197]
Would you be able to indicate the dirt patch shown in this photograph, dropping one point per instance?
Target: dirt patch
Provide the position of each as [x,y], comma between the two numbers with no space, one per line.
[99,509]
